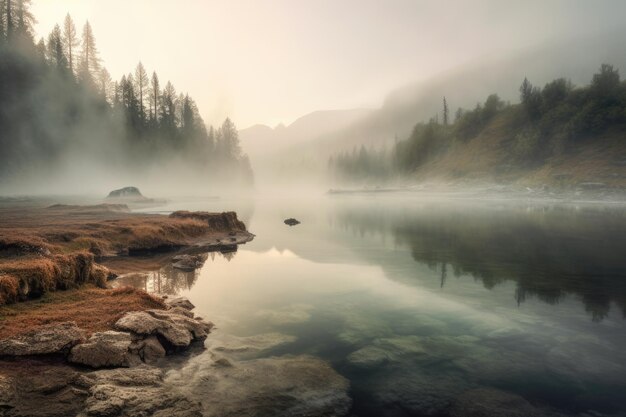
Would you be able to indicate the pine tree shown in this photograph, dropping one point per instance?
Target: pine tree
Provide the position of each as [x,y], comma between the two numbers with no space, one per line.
[56,57]
[90,63]
[155,96]
[70,40]
[141,83]
[445,112]
[25,20]
[105,84]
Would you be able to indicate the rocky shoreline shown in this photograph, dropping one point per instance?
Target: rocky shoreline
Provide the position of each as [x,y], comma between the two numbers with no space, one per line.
[58,372]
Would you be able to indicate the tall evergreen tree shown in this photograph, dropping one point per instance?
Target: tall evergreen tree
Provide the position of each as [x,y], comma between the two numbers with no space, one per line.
[155,96]
[89,61]
[55,49]
[446,112]
[141,84]
[70,40]
[105,84]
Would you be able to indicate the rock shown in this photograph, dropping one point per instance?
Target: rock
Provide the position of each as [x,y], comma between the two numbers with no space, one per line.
[126,192]
[57,338]
[291,222]
[137,391]
[188,262]
[182,302]
[40,390]
[278,386]
[150,349]
[105,349]
[175,329]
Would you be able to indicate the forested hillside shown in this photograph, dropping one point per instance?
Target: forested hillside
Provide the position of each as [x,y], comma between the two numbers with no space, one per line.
[556,134]
[60,111]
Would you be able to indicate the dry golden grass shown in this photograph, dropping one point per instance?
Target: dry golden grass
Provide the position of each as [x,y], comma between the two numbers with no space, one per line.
[44,249]
[93,309]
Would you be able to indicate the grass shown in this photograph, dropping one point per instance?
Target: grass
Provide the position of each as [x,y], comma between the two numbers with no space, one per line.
[93,309]
[56,248]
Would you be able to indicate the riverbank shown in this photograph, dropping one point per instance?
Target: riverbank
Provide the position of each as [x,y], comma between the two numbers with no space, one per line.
[60,247]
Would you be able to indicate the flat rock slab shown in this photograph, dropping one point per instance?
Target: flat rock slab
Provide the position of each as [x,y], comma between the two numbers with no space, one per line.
[279,386]
[105,349]
[134,392]
[57,338]
[176,329]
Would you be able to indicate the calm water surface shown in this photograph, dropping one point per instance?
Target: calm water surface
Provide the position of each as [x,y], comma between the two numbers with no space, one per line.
[418,302]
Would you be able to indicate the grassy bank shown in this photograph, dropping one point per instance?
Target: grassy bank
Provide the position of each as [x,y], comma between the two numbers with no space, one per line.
[60,247]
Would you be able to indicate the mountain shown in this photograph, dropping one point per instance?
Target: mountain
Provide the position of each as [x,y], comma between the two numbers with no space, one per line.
[258,139]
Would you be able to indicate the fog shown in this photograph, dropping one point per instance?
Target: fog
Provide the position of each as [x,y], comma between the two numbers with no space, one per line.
[304,84]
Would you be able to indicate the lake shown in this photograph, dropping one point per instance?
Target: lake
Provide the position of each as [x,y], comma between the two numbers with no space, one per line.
[420,302]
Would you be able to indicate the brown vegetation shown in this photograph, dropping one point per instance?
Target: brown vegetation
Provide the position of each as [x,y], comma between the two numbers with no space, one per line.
[93,309]
[56,248]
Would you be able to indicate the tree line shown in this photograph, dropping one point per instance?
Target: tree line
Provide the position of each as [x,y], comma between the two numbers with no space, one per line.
[546,122]
[56,94]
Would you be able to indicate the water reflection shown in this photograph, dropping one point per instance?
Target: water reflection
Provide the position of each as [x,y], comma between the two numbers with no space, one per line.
[168,279]
[548,252]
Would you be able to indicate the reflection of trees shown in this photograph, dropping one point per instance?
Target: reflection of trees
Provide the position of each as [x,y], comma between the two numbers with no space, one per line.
[548,252]
[168,280]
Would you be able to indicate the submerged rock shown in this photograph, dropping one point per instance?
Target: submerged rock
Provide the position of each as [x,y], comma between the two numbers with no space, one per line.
[57,338]
[291,222]
[175,329]
[281,386]
[106,349]
[134,392]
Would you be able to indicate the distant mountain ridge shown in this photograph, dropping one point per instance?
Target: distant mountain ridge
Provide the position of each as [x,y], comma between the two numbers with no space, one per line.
[258,139]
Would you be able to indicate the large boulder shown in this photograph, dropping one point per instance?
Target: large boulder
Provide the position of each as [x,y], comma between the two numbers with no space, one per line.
[126,192]
[106,349]
[57,338]
[488,402]
[176,330]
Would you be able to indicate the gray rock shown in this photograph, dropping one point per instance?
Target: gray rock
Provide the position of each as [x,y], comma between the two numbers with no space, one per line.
[280,386]
[57,338]
[136,391]
[182,302]
[105,349]
[149,349]
[176,329]
[125,192]
[188,262]
[291,222]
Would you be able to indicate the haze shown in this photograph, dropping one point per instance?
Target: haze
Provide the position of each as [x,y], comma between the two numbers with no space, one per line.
[271,62]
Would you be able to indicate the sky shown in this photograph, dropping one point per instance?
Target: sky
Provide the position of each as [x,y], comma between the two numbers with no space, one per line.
[272,61]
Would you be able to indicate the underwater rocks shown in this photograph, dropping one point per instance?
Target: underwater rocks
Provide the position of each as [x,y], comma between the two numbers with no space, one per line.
[52,339]
[277,386]
[134,392]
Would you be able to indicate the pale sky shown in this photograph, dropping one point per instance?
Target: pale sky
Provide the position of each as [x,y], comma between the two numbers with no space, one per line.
[273,61]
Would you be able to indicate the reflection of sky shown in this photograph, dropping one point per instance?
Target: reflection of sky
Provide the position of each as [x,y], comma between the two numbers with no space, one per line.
[477,331]
[360,300]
